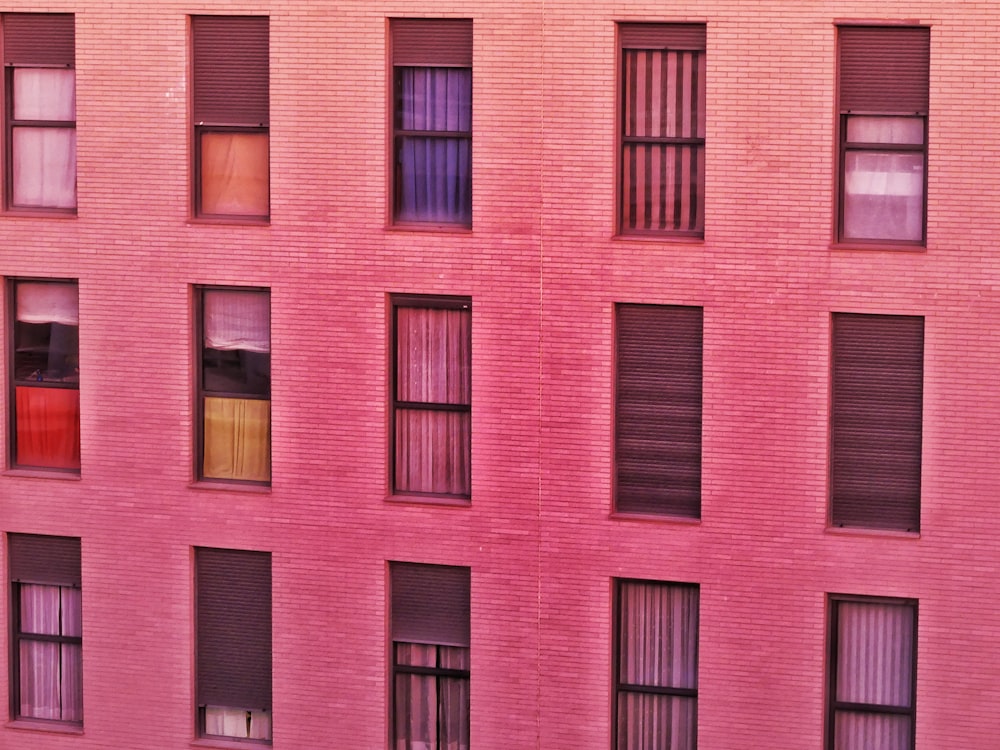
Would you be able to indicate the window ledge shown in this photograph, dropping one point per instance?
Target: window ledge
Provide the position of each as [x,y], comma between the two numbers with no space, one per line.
[40,725]
[41,473]
[655,518]
[231,744]
[442,500]
[416,226]
[221,484]
[228,222]
[40,213]
[864,532]
[894,247]
[665,238]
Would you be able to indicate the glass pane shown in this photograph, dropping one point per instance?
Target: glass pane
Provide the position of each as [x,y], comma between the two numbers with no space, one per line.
[72,612]
[45,94]
[416,655]
[40,609]
[48,427]
[433,451]
[454,657]
[433,355]
[224,721]
[415,720]
[663,188]
[875,653]
[884,195]
[43,167]
[234,174]
[664,94]
[71,685]
[865,731]
[656,722]
[435,99]
[39,688]
[901,130]
[454,719]
[237,319]
[237,439]
[434,180]
[659,635]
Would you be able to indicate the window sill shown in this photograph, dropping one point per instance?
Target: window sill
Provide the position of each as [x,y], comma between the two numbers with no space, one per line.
[894,247]
[248,221]
[41,725]
[232,744]
[440,500]
[221,484]
[417,226]
[41,473]
[40,213]
[865,532]
[655,518]
[660,238]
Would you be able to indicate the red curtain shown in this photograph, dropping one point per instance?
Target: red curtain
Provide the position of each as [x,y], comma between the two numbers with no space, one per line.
[48,427]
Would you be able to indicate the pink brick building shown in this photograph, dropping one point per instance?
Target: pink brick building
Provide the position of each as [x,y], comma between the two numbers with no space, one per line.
[500,375]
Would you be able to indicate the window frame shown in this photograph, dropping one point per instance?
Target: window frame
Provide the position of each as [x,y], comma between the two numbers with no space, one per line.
[618,687]
[427,43]
[55,567]
[664,38]
[60,54]
[866,90]
[246,111]
[833,705]
[202,393]
[396,405]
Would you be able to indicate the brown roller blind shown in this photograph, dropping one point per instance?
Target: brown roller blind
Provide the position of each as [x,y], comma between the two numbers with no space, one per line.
[438,42]
[674,36]
[884,69]
[430,604]
[233,628]
[38,39]
[44,559]
[231,70]
[877,412]
[658,410]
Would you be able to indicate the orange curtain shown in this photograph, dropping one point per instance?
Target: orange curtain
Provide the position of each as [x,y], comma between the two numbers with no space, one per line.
[48,427]
[237,439]
[234,174]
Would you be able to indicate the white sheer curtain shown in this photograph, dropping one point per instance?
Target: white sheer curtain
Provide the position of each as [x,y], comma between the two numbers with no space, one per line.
[48,303]
[44,158]
[874,668]
[51,681]
[658,648]
[238,722]
[435,171]
[237,320]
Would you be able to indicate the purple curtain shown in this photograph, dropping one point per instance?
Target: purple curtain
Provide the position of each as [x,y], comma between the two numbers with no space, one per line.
[435,170]
[431,711]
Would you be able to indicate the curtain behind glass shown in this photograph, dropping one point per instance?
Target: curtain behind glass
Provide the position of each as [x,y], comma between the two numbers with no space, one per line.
[234,174]
[43,160]
[431,711]
[435,171]
[237,439]
[51,682]
[48,427]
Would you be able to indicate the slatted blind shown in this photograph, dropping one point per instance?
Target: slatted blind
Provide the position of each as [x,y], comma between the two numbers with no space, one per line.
[231,70]
[430,604]
[51,560]
[673,36]
[38,39]
[658,410]
[233,628]
[432,42]
[884,69]
[877,420]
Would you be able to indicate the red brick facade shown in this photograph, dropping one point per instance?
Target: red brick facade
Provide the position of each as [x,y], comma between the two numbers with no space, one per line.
[544,269]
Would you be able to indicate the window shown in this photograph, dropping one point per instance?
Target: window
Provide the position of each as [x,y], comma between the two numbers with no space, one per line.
[662,129]
[47,617]
[656,669]
[233,625]
[658,410]
[432,395]
[873,668]
[231,105]
[46,374]
[877,420]
[40,84]
[430,656]
[884,77]
[432,121]
[235,385]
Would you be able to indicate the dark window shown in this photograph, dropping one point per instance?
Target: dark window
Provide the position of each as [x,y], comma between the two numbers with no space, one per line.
[231,116]
[234,384]
[884,77]
[877,420]
[430,656]
[46,377]
[234,643]
[40,82]
[872,667]
[662,128]
[656,666]
[47,619]
[432,121]
[658,410]
[432,395]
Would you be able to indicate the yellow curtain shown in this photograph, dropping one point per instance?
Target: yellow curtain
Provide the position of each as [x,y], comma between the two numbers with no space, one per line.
[237,439]
[234,174]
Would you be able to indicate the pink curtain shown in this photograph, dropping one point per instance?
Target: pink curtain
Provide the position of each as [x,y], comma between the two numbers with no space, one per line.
[431,711]
[234,174]
[435,172]
[663,183]
[43,159]
[48,427]
[51,678]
